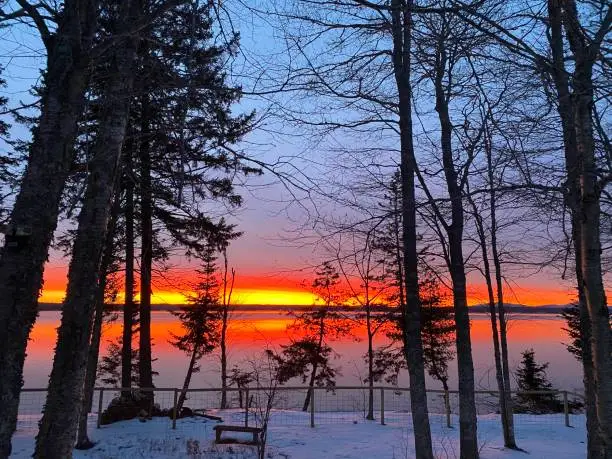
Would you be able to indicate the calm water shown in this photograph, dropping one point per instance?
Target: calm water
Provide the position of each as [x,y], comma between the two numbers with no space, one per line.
[251,332]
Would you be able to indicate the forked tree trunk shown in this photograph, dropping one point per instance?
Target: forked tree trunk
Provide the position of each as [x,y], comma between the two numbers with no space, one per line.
[145,366]
[228,289]
[582,197]
[128,308]
[499,377]
[401,26]
[83,441]
[34,216]
[503,336]
[65,392]
[468,440]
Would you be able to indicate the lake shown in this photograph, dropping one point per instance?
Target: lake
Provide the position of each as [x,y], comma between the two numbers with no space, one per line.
[253,331]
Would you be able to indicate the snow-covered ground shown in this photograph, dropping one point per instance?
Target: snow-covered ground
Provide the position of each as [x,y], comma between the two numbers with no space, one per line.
[338,436]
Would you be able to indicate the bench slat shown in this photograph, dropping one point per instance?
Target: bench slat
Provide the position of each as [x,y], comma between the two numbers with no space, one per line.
[229,428]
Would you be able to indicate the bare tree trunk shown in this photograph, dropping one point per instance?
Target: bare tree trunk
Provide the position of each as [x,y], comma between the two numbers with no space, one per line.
[595,447]
[223,345]
[183,395]
[592,278]
[467,403]
[128,309]
[508,437]
[83,441]
[228,288]
[503,328]
[582,197]
[65,393]
[146,257]
[401,15]
[370,415]
[34,216]
[311,383]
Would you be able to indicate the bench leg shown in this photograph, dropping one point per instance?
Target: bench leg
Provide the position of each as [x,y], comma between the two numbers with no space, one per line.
[218,436]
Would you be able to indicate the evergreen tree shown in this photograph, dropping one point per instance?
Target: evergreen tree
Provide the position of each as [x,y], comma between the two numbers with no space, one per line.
[200,319]
[531,377]
[437,321]
[185,133]
[309,357]
[571,315]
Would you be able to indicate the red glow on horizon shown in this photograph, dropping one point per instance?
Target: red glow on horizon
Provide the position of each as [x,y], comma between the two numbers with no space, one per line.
[287,290]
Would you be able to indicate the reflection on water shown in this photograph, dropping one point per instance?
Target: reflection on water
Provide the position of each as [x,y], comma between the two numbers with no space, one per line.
[251,332]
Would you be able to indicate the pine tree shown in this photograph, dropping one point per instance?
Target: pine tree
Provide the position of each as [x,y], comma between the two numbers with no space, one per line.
[200,320]
[571,315]
[531,377]
[309,357]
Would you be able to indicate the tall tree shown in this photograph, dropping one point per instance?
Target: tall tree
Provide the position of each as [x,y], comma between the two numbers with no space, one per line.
[309,357]
[34,216]
[226,308]
[571,37]
[443,42]
[65,393]
[200,320]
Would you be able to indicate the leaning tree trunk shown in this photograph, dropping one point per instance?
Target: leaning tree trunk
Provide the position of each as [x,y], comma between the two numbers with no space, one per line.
[65,392]
[509,441]
[128,308]
[34,216]
[401,16]
[145,367]
[183,395]
[507,406]
[83,441]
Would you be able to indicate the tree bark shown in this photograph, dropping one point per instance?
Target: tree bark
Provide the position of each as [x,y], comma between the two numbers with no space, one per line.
[34,216]
[401,26]
[183,395]
[145,367]
[582,197]
[499,377]
[65,393]
[83,441]
[128,308]
[370,415]
[468,440]
[223,345]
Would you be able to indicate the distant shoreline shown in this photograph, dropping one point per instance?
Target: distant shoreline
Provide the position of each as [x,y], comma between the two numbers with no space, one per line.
[510,308]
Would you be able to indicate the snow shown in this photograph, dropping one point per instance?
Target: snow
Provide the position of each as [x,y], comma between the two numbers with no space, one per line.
[336,436]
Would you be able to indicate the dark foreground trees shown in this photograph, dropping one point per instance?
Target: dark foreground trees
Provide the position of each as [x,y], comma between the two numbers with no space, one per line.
[34,215]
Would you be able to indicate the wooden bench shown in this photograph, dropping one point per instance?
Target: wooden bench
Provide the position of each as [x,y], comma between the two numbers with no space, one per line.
[219,429]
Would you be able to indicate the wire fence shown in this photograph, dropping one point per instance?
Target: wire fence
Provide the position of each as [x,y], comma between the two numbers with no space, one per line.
[338,405]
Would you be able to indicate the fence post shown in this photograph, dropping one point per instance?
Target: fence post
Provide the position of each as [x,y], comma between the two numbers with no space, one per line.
[312,406]
[447,408]
[174,413]
[246,408]
[566,409]
[100,401]
[382,406]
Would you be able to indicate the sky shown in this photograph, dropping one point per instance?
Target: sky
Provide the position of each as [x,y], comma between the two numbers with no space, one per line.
[275,256]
